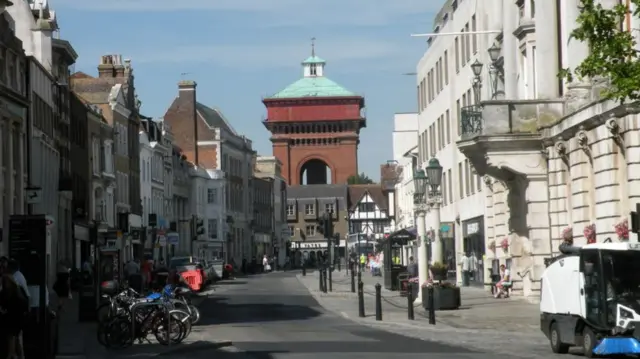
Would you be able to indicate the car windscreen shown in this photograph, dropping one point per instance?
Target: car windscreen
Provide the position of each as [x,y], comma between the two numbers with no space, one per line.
[180,262]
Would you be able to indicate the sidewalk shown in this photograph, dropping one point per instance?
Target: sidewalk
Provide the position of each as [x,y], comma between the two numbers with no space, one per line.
[483,322]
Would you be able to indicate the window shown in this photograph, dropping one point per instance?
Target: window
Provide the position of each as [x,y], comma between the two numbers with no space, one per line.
[366,207]
[309,209]
[329,207]
[456,45]
[292,231]
[356,227]
[475,37]
[212,225]
[479,183]
[447,121]
[212,195]
[446,67]
[311,230]
[467,48]
[450,186]
[463,48]
[466,177]
[444,188]
[291,210]
[313,70]
[378,226]
[457,128]
[460,181]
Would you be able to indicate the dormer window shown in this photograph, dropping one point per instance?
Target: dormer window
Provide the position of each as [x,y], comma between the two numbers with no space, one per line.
[313,70]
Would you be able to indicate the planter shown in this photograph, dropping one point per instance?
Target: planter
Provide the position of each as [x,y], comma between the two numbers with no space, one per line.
[439,276]
[443,298]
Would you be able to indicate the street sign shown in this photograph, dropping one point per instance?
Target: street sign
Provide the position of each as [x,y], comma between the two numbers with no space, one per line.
[33,194]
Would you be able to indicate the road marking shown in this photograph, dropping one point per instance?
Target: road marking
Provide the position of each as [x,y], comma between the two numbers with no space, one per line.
[344,315]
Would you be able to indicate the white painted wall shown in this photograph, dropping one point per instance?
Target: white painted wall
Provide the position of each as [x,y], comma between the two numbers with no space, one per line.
[146,153]
[405,138]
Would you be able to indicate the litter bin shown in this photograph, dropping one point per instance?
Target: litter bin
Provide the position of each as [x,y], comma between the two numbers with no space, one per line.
[403,284]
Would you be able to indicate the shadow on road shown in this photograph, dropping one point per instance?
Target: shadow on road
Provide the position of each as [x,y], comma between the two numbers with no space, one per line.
[153,350]
[218,310]
[229,282]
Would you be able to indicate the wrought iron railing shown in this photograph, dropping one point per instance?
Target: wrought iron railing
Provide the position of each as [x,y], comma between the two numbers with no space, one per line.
[471,122]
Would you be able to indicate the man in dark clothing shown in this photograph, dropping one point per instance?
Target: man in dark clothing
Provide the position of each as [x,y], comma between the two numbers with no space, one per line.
[412,268]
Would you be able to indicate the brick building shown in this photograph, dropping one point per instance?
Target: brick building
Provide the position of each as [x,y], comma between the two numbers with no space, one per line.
[315,126]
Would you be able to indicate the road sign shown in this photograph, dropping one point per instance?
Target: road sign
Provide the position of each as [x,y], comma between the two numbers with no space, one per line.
[33,194]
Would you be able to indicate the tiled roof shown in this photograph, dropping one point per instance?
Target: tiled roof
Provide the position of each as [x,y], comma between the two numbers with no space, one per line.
[317,191]
[214,117]
[318,86]
[358,191]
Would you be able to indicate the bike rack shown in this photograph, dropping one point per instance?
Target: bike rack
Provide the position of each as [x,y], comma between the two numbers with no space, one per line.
[136,306]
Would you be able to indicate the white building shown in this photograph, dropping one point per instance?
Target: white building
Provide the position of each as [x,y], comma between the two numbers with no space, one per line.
[146,155]
[215,216]
[405,152]
[271,167]
[444,82]
[368,215]
[552,154]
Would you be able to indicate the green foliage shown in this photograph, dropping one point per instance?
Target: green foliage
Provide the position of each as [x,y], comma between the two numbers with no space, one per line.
[612,51]
[360,179]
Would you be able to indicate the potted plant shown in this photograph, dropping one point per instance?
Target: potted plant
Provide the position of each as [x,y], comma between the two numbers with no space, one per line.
[492,246]
[446,296]
[439,271]
[590,233]
[505,244]
[567,235]
[622,230]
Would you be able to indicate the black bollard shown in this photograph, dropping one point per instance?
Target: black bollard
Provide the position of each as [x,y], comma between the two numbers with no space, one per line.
[410,313]
[378,302]
[324,279]
[361,299]
[353,282]
[304,271]
[359,277]
[320,288]
[330,271]
[432,311]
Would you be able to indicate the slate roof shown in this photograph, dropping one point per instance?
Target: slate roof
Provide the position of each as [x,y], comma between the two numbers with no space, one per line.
[213,117]
[358,191]
[317,191]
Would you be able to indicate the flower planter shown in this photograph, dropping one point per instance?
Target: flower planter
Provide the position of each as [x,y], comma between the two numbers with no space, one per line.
[444,298]
[439,276]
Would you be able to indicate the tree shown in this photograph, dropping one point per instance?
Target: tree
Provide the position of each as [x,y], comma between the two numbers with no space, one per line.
[612,49]
[359,179]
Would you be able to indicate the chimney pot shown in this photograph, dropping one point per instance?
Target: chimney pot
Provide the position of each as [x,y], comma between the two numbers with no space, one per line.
[187,85]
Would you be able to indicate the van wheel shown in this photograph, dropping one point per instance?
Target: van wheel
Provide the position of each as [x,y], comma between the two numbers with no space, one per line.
[557,346]
[589,342]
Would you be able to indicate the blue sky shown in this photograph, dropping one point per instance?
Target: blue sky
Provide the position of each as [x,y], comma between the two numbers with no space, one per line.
[239,51]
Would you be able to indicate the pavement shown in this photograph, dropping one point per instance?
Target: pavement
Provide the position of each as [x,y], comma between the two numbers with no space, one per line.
[281,315]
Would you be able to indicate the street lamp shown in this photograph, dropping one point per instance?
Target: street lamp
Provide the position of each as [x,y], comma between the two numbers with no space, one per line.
[434,174]
[476,67]
[4,4]
[420,182]
[494,53]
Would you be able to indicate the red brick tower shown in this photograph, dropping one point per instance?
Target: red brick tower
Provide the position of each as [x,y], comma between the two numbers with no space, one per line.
[315,125]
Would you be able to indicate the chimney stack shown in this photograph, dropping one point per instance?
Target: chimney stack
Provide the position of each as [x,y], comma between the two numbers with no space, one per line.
[106,68]
[118,66]
[187,99]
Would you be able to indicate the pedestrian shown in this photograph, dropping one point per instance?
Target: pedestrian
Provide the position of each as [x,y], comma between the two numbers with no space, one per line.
[62,286]
[465,263]
[265,264]
[412,268]
[14,269]
[13,308]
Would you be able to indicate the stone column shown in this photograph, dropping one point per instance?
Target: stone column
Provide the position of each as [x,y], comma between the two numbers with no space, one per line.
[537,246]
[631,139]
[510,49]
[489,223]
[547,66]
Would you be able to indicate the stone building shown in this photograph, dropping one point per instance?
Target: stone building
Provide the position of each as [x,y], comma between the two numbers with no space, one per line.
[263,211]
[315,127]
[13,122]
[270,167]
[209,141]
[553,158]
[305,205]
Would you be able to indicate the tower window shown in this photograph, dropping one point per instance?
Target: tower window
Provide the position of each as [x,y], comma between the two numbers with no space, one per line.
[313,70]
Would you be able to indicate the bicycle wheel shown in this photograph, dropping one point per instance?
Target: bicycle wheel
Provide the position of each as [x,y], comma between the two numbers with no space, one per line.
[166,333]
[195,314]
[103,313]
[185,318]
[118,333]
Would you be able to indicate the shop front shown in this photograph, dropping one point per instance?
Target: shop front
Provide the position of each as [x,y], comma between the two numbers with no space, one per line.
[448,238]
[474,247]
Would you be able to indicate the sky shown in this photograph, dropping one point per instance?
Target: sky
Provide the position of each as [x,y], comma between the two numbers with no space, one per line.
[240,51]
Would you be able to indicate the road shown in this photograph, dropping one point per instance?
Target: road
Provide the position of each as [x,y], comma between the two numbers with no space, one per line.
[274,316]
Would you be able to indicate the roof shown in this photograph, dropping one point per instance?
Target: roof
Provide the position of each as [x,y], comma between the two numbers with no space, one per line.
[318,86]
[316,191]
[358,191]
[313,60]
[214,117]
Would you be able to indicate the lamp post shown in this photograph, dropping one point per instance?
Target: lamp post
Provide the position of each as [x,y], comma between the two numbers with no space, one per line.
[476,83]
[434,176]
[420,208]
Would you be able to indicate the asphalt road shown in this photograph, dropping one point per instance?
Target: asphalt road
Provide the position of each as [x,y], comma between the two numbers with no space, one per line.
[272,316]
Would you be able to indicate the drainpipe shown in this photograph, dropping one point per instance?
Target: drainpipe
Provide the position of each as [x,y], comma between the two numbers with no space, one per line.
[28,93]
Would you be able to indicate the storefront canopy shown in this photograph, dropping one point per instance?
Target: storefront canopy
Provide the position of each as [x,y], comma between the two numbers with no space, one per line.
[401,237]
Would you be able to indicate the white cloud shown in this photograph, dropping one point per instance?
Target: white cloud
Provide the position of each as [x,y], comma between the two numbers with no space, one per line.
[359,52]
[277,12]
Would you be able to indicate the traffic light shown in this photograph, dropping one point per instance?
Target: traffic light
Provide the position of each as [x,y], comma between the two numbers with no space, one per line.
[325,226]
[197,226]
[336,236]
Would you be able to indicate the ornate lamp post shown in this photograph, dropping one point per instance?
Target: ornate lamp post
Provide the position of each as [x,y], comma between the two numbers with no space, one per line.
[420,208]
[434,176]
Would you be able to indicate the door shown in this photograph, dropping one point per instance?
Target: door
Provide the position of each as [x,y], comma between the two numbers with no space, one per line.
[592,303]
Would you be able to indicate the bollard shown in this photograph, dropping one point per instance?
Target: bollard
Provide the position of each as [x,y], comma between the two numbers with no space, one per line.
[353,282]
[432,311]
[324,279]
[320,281]
[359,277]
[304,271]
[330,270]
[361,299]
[339,266]
[378,302]
[410,313]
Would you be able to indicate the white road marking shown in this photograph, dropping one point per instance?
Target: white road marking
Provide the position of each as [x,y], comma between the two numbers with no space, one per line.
[344,315]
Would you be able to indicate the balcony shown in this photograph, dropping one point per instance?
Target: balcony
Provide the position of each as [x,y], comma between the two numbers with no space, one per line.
[503,135]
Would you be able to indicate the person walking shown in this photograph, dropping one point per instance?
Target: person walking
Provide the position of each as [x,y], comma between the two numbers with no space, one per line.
[13,308]
[465,263]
